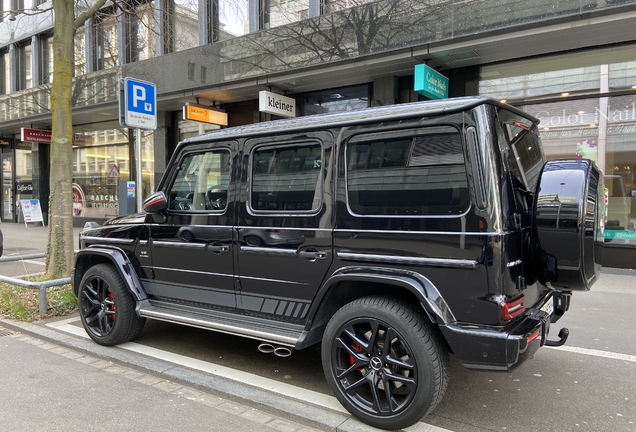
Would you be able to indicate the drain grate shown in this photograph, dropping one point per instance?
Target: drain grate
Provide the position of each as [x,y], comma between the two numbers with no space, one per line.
[5,332]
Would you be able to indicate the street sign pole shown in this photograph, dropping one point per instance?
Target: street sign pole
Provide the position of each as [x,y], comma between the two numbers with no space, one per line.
[137,109]
[138,168]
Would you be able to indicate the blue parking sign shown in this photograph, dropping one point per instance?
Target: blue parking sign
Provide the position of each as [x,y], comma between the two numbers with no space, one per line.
[139,103]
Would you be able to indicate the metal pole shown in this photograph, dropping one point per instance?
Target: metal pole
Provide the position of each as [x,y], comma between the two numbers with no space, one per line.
[42,299]
[138,167]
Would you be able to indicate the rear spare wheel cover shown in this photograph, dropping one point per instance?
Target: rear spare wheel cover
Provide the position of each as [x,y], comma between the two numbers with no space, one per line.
[567,222]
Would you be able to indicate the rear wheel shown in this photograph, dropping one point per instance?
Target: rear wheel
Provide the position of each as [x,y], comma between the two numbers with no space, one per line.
[106,307]
[384,362]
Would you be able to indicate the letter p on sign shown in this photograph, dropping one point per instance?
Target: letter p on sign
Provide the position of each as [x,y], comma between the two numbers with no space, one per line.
[139,94]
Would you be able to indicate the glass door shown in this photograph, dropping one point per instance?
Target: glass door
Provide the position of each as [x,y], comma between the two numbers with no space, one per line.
[7,185]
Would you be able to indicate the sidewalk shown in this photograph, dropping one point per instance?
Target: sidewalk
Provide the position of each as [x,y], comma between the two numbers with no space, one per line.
[48,387]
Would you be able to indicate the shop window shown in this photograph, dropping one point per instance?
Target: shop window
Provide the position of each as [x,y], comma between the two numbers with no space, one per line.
[336,100]
[407,173]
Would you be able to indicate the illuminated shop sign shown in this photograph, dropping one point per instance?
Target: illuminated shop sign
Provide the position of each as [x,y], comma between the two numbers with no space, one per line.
[274,103]
[204,115]
[430,83]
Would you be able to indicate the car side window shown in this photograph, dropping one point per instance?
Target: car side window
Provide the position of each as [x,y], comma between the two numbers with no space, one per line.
[407,173]
[201,183]
[286,178]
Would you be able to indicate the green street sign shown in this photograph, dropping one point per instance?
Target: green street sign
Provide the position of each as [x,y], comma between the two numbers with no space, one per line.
[430,83]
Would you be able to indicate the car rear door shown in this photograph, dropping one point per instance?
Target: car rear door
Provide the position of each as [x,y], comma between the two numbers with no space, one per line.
[285,223]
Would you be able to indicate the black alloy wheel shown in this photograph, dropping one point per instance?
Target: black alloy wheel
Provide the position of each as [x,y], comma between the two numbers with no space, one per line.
[384,363]
[106,307]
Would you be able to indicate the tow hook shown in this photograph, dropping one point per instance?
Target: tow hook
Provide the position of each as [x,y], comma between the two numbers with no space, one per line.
[563,336]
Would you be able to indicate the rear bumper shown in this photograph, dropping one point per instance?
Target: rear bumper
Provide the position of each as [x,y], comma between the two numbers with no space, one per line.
[497,348]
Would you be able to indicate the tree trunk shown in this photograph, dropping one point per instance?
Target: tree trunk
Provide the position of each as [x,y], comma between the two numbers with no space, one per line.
[59,257]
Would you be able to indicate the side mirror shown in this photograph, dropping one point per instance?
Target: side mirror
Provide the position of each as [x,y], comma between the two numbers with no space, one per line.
[155,203]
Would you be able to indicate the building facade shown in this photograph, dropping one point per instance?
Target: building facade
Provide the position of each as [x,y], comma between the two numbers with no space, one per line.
[571,63]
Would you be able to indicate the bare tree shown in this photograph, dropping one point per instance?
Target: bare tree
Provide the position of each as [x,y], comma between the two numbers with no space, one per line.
[59,257]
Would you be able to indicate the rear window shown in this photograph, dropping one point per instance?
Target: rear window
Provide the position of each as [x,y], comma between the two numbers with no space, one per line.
[526,156]
[416,172]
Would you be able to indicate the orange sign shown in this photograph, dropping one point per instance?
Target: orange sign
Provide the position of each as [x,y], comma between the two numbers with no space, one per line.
[204,115]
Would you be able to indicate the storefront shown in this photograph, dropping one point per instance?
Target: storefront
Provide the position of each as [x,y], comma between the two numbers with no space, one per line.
[586,102]
[101,159]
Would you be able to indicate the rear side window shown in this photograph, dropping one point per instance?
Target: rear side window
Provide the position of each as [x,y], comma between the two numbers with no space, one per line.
[407,173]
[286,179]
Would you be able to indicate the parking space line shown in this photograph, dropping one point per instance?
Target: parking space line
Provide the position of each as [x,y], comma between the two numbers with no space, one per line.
[597,353]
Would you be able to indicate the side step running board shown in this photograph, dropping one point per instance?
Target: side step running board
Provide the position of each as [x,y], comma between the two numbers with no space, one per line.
[241,325]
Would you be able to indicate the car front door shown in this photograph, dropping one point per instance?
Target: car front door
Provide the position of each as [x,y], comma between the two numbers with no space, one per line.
[191,248]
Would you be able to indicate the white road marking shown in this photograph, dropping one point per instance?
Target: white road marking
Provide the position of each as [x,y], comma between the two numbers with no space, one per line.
[286,390]
[597,353]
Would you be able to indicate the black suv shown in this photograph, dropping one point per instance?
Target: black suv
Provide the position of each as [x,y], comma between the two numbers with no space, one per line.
[393,235]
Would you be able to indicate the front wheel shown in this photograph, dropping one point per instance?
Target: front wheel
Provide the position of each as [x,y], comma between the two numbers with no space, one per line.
[106,307]
[384,362]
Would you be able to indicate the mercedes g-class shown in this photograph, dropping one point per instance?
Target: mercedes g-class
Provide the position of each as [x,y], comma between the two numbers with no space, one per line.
[393,236]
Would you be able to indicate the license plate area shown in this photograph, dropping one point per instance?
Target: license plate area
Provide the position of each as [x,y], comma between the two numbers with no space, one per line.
[548,307]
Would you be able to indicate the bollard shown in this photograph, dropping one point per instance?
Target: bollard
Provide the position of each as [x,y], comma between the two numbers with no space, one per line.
[42,299]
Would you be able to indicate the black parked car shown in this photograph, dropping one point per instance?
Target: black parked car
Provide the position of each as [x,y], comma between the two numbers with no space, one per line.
[392,235]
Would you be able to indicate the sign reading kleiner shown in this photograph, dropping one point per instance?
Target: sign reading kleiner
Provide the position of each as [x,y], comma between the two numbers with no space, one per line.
[430,83]
[273,103]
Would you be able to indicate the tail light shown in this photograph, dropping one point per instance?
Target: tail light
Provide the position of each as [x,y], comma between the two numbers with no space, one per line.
[272,230]
[513,308]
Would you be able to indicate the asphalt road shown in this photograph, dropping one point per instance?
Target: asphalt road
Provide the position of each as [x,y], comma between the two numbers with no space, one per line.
[587,385]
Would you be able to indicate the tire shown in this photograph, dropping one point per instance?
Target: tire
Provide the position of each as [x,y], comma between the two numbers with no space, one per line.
[106,308]
[359,366]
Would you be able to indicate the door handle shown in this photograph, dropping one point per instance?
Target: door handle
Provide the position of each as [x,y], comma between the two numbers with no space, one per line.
[314,254]
[219,248]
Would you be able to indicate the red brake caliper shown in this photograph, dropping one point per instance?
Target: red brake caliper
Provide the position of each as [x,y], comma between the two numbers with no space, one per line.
[357,348]
[111,297]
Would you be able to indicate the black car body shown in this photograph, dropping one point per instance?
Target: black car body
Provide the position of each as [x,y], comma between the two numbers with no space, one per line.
[409,231]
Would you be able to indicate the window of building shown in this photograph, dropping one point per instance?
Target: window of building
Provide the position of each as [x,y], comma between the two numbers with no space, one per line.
[105,37]
[287,179]
[79,52]
[202,182]
[5,70]
[283,12]
[407,173]
[329,6]
[233,18]
[46,59]
[25,64]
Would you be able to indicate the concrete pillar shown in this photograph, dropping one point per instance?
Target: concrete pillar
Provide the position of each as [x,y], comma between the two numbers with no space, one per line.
[385,91]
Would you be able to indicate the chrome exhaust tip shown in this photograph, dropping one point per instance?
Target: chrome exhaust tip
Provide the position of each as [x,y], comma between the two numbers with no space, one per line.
[283,351]
[266,348]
